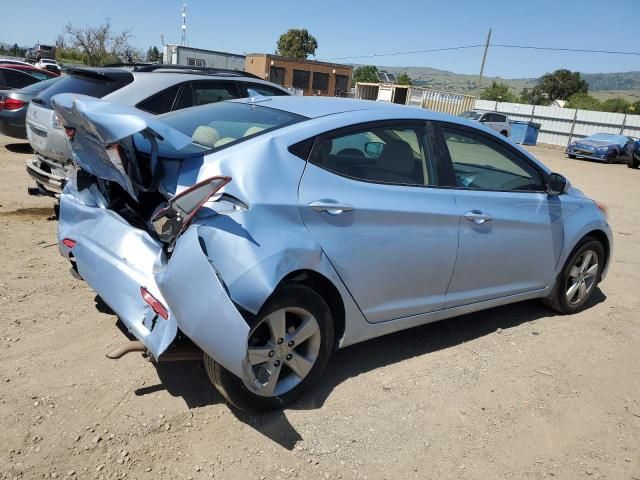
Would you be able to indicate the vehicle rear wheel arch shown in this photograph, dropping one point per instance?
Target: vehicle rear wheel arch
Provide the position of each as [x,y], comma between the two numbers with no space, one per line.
[326,289]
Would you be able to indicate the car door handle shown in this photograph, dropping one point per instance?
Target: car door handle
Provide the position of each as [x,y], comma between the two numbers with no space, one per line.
[477,217]
[330,207]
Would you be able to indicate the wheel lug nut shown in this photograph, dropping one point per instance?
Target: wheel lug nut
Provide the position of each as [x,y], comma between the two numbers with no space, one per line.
[276,363]
[280,340]
[289,356]
[290,344]
[272,353]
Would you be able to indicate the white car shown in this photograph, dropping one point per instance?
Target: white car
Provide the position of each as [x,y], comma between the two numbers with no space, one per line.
[48,64]
[494,120]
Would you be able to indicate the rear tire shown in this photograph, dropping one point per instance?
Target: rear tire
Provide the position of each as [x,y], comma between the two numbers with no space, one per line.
[292,299]
[566,299]
[633,162]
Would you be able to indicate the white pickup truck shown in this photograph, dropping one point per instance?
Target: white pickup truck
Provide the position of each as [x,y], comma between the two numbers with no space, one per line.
[494,120]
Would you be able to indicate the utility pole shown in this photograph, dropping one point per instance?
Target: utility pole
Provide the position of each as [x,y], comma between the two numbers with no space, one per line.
[184,25]
[484,58]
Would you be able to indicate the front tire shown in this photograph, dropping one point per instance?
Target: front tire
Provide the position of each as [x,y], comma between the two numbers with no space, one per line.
[289,345]
[571,156]
[504,133]
[612,158]
[579,278]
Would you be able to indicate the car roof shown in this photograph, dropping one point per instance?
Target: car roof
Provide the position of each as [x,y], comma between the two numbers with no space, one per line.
[313,107]
[146,84]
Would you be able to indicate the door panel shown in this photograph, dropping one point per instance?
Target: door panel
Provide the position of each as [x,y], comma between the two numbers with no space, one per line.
[511,231]
[393,245]
[515,251]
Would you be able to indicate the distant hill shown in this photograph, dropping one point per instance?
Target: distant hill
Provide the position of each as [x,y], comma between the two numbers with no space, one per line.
[601,85]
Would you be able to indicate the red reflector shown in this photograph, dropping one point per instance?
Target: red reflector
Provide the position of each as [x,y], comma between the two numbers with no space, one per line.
[13,104]
[67,242]
[155,305]
[70,131]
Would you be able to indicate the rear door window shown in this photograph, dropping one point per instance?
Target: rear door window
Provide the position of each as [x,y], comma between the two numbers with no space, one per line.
[91,85]
[14,79]
[212,92]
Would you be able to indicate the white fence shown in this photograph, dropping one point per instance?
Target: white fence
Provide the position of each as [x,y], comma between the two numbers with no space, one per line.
[560,125]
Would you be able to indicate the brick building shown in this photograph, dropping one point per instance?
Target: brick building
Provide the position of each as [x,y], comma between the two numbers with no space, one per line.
[310,76]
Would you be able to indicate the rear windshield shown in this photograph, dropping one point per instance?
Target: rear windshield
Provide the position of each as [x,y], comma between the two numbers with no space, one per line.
[223,124]
[85,85]
[40,86]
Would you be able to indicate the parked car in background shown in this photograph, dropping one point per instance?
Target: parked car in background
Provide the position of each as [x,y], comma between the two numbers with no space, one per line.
[49,64]
[250,226]
[154,89]
[634,161]
[13,107]
[605,147]
[11,79]
[494,120]
[39,51]
[39,73]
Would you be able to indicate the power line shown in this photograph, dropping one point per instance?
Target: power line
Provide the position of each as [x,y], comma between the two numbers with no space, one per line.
[502,45]
[404,53]
[559,49]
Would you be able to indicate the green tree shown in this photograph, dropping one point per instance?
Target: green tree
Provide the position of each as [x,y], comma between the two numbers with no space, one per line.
[366,74]
[154,55]
[561,84]
[617,104]
[297,43]
[498,91]
[404,79]
[534,96]
[584,101]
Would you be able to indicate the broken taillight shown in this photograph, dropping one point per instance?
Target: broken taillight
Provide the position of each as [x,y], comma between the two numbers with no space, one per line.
[67,242]
[172,218]
[154,303]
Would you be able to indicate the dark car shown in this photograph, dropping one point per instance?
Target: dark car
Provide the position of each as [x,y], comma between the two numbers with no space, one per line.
[634,161]
[39,73]
[604,147]
[11,79]
[13,107]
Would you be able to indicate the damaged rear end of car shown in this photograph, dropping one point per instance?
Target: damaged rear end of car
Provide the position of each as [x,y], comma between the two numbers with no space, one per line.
[126,227]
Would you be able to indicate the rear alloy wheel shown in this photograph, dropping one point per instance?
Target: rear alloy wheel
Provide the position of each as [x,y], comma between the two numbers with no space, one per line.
[579,278]
[288,348]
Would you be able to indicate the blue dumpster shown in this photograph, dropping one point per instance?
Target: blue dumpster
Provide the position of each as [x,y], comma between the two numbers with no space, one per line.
[525,133]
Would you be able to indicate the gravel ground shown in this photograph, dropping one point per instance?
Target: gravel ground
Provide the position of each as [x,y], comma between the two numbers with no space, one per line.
[512,392]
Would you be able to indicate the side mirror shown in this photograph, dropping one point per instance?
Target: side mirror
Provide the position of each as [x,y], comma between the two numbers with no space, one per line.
[556,184]
[374,149]
[483,119]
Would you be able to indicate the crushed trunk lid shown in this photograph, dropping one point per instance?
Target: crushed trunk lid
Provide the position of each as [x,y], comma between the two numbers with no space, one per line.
[101,137]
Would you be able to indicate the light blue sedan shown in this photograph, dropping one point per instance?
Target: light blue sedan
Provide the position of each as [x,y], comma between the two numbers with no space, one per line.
[273,231]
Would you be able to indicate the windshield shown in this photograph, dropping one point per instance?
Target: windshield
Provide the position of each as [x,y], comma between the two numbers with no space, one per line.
[225,123]
[608,138]
[471,115]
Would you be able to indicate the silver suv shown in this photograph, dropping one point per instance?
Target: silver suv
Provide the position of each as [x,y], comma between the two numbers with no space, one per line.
[154,89]
[494,120]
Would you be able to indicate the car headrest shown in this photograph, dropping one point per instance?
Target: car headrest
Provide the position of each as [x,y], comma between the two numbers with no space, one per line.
[252,131]
[207,136]
[397,156]
[224,141]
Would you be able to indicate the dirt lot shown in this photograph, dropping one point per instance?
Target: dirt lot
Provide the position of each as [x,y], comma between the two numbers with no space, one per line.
[513,392]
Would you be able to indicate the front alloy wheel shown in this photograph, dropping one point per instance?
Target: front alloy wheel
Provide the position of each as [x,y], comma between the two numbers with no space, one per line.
[582,277]
[289,345]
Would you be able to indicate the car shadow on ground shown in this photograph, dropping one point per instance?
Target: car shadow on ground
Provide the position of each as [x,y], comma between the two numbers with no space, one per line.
[189,379]
[19,147]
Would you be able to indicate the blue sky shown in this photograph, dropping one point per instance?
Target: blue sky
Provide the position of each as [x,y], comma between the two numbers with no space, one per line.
[355,27]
